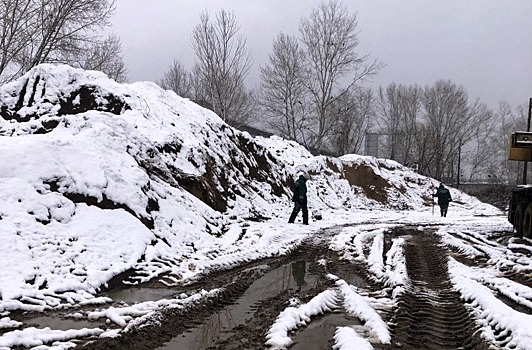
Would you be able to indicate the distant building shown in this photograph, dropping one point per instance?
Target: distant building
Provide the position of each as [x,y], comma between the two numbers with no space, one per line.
[371,147]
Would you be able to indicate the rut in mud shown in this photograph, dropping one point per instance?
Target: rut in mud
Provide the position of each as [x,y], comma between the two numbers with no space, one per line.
[253,297]
[427,315]
[430,314]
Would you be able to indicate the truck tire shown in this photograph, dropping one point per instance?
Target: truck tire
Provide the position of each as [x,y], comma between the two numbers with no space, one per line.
[518,220]
[527,222]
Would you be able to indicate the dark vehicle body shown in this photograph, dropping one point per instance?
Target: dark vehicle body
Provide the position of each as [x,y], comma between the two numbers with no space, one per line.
[520,210]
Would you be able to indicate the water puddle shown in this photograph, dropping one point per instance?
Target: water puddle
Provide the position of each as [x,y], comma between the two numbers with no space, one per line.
[135,295]
[295,278]
[320,331]
[218,326]
[61,323]
[353,279]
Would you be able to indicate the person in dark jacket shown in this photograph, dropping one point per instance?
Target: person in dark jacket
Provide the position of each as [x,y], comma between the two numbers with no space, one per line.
[444,197]
[300,199]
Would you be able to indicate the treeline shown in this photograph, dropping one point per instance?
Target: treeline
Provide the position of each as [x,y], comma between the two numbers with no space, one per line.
[58,31]
[313,91]
[313,88]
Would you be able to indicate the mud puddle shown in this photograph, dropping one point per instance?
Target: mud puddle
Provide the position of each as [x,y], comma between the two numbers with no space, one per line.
[62,323]
[293,276]
[319,333]
[252,297]
[136,295]
[77,318]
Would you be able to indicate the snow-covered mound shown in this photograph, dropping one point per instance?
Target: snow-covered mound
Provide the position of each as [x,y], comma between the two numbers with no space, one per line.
[97,178]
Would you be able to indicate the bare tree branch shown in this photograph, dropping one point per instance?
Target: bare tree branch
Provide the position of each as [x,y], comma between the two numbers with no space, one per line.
[178,80]
[222,64]
[57,31]
[330,37]
[355,112]
[283,95]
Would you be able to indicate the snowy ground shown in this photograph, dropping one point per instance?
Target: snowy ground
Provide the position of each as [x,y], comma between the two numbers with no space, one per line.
[462,231]
[137,180]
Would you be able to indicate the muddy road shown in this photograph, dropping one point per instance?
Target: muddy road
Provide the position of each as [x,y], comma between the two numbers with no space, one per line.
[427,314]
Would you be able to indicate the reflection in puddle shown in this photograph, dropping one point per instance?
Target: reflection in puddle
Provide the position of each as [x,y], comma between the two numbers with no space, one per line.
[352,279]
[292,276]
[320,331]
[299,269]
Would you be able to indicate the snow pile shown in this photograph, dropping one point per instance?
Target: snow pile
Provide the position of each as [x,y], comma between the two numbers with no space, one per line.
[89,190]
[346,338]
[293,317]
[357,306]
[100,178]
[31,337]
[6,322]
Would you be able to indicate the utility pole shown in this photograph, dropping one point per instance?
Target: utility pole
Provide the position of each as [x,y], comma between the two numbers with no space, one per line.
[458,172]
[525,168]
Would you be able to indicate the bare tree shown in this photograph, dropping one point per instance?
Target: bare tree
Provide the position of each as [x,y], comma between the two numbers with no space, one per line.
[282,93]
[105,56]
[509,121]
[450,123]
[178,79]
[481,151]
[424,155]
[16,19]
[330,38]
[65,26]
[355,112]
[222,64]
[399,110]
[54,31]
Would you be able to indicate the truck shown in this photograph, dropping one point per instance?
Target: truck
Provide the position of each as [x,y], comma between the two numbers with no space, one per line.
[520,208]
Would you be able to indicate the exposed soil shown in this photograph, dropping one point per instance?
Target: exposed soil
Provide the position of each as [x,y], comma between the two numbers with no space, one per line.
[429,314]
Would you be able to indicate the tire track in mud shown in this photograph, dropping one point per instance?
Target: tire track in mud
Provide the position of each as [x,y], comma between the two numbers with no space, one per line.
[251,301]
[523,274]
[515,272]
[252,335]
[171,323]
[430,315]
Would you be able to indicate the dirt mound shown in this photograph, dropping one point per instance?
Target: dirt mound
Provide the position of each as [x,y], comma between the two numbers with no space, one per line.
[35,95]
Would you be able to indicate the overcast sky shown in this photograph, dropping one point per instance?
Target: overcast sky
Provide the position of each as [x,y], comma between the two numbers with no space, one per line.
[485,45]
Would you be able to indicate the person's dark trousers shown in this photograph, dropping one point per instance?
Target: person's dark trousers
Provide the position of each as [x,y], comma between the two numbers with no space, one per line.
[297,208]
[443,210]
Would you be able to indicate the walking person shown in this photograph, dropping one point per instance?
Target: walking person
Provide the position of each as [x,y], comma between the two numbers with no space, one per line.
[300,199]
[444,197]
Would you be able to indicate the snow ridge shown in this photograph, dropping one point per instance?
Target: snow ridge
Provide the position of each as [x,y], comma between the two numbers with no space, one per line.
[293,317]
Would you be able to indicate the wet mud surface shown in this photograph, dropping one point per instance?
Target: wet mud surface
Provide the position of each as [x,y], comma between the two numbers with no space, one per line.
[428,314]
[254,296]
